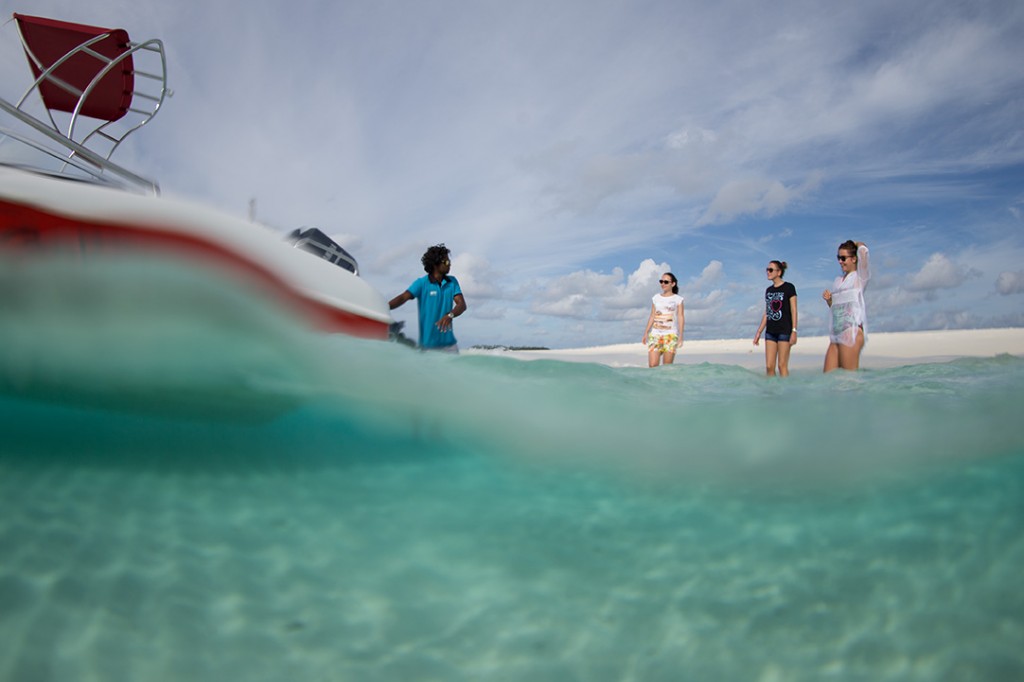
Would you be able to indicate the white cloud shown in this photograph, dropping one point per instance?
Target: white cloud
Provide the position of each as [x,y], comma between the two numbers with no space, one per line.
[586,294]
[709,301]
[476,276]
[687,138]
[756,196]
[1010,283]
[575,306]
[710,275]
[939,273]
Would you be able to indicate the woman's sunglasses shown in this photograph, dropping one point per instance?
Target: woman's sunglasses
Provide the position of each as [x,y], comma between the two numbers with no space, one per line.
[665,281]
[842,259]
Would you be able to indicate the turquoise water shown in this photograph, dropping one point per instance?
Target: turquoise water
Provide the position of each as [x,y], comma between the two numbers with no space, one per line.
[195,491]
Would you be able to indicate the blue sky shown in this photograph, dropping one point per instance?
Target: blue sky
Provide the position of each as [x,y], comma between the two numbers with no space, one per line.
[569,152]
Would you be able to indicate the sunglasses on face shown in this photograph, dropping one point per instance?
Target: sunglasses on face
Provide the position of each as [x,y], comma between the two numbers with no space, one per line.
[769,269]
[842,259]
[664,281]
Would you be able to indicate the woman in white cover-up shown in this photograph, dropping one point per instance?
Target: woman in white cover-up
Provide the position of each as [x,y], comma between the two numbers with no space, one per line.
[664,332]
[849,316]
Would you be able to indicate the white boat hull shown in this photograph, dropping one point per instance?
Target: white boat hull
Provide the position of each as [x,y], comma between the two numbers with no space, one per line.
[40,214]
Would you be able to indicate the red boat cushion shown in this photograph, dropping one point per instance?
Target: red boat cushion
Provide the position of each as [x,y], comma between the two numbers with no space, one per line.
[49,40]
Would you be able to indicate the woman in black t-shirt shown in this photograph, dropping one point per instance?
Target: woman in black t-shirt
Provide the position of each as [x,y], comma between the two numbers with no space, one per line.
[779,320]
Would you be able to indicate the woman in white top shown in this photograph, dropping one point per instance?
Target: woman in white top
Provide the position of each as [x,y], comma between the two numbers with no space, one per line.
[664,332]
[846,299]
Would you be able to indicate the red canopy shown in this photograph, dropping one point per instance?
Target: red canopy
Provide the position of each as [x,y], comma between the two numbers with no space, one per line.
[48,40]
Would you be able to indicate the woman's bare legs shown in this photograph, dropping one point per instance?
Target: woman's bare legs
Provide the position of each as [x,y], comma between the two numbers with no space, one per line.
[654,358]
[849,356]
[831,357]
[839,356]
[771,353]
[784,347]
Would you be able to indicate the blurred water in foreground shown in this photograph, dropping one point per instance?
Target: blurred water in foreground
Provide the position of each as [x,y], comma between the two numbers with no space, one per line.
[192,489]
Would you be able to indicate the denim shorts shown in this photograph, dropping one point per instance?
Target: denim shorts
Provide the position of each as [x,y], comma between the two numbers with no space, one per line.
[776,337]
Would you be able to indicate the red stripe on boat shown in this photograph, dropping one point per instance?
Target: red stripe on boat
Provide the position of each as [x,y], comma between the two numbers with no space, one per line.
[24,228]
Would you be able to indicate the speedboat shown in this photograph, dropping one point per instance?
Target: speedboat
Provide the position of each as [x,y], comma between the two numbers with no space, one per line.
[115,295]
[96,87]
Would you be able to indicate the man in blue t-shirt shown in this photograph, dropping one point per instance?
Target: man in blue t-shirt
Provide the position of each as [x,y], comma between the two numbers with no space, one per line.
[440,300]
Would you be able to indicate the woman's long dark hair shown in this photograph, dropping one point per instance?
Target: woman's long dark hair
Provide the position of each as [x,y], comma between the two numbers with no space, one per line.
[675,283]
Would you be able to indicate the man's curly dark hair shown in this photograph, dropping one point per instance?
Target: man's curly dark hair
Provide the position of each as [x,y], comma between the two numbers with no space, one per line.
[433,257]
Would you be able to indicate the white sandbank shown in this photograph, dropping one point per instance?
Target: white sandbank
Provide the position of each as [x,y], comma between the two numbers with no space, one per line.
[883,349]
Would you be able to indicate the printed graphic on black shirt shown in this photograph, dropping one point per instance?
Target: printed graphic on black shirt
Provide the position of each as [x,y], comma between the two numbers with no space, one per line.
[773,304]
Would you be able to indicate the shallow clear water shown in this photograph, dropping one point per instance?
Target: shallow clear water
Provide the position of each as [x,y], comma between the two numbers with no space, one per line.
[197,492]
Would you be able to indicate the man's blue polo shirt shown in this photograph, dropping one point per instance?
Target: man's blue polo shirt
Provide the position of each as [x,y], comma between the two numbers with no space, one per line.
[435,299]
